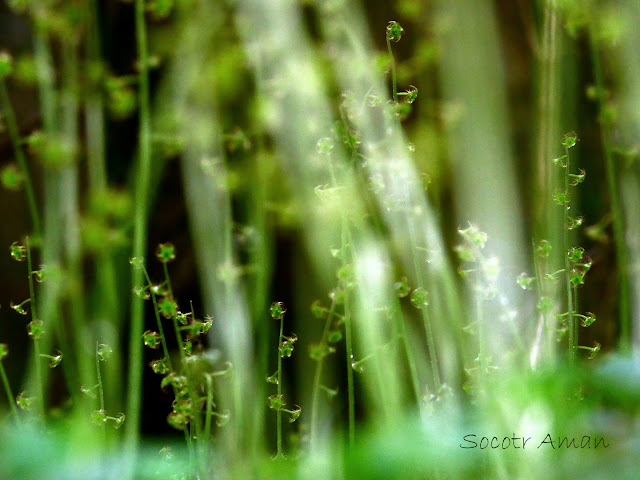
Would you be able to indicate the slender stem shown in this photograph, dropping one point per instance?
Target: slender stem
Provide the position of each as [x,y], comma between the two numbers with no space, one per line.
[143,177]
[14,134]
[346,241]
[279,411]
[99,376]
[208,414]
[100,388]
[393,70]
[624,314]
[567,264]
[315,395]
[7,388]
[36,341]
[163,339]
[165,349]
[541,293]
[413,370]
[426,317]
[349,346]
[176,326]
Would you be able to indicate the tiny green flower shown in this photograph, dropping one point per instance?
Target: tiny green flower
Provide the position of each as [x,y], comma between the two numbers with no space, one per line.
[136,262]
[18,252]
[55,360]
[525,281]
[412,94]
[286,350]
[35,329]
[273,379]
[545,304]
[334,336]
[167,308]
[561,198]
[11,177]
[588,320]
[317,310]
[118,420]
[276,402]
[104,352]
[277,310]
[166,252]
[18,308]
[99,417]
[159,366]
[569,140]
[4,351]
[24,402]
[183,318]
[394,31]
[543,249]
[420,298]
[177,420]
[402,287]
[151,339]
[324,146]
[575,254]
[294,414]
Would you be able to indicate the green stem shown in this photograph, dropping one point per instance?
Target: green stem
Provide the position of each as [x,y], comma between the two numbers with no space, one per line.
[14,134]
[99,377]
[176,326]
[618,226]
[163,340]
[7,388]
[208,414]
[279,411]
[413,370]
[347,241]
[165,349]
[393,70]
[573,340]
[36,341]
[426,318]
[315,392]
[143,178]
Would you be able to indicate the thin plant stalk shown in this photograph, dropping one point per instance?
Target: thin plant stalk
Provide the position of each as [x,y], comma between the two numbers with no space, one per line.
[414,249]
[165,349]
[624,315]
[99,377]
[209,410]
[142,179]
[279,411]
[347,242]
[317,377]
[393,70]
[573,341]
[14,134]
[426,318]
[176,327]
[36,341]
[349,342]
[7,388]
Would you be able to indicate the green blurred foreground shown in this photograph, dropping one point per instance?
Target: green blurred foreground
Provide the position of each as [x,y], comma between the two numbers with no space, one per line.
[414,240]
